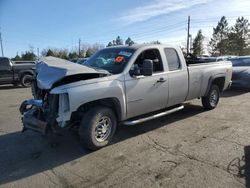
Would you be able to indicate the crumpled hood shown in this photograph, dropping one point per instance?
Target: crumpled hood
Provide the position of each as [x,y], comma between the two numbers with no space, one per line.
[51,70]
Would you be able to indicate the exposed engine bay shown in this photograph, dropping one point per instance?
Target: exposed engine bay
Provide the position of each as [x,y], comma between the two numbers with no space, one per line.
[47,110]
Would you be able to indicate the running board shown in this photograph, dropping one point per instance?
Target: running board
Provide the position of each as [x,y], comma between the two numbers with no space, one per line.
[133,122]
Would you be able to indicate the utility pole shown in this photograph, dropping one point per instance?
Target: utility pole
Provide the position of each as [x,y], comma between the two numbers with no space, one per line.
[188,34]
[1,43]
[38,54]
[191,44]
[79,48]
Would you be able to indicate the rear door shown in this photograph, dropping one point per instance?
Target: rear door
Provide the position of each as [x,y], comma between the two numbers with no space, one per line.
[6,74]
[177,77]
[146,94]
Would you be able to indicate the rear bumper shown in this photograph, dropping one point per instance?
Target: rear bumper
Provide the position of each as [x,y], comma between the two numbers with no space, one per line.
[229,85]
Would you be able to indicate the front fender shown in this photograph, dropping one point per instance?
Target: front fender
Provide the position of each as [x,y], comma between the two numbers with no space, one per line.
[100,90]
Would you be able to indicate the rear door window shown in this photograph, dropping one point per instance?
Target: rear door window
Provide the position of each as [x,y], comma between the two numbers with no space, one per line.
[173,59]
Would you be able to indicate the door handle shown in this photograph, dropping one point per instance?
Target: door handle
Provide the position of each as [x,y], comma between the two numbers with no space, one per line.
[161,80]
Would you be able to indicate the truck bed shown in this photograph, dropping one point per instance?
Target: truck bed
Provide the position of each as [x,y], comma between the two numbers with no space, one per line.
[200,73]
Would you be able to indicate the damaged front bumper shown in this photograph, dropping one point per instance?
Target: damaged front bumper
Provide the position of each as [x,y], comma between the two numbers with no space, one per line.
[36,117]
[32,113]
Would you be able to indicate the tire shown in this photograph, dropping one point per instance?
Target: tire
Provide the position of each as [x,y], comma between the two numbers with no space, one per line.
[210,101]
[26,80]
[97,117]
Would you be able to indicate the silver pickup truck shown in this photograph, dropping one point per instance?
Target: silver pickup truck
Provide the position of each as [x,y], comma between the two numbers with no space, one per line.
[125,84]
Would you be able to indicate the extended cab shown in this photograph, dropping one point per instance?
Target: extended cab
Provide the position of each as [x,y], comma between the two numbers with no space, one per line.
[12,73]
[125,84]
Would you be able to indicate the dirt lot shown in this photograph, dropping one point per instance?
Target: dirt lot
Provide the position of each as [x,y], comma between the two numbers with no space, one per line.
[191,148]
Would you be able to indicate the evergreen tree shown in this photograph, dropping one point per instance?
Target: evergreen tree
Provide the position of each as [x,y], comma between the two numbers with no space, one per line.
[119,41]
[72,55]
[63,53]
[109,44]
[155,42]
[50,53]
[89,52]
[28,56]
[129,41]
[219,40]
[238,36]
[17,58]
[197,44]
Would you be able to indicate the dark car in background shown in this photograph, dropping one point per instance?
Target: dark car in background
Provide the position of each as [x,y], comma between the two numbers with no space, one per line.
[241,72]
[16,73]
[191,59]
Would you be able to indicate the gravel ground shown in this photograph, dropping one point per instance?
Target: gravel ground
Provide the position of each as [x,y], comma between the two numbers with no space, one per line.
[191,148]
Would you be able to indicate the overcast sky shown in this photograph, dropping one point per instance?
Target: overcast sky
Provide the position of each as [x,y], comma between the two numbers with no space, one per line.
[60,23]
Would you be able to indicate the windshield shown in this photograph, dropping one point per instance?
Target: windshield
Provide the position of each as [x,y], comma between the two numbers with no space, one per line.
[111,59]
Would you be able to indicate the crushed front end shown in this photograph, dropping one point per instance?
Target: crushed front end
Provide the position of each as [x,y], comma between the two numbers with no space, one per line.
[40,114]
[50,108]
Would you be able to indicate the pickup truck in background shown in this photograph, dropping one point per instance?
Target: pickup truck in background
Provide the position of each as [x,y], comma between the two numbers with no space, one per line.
[16,73]
[119,85]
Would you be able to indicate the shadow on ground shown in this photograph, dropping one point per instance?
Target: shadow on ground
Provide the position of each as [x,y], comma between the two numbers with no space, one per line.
[6,87]
[234,92]
[26,154]
[240,166]
[247,165]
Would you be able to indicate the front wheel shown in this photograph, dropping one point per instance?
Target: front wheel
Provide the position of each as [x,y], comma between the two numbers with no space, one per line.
[97,127]
[212,99]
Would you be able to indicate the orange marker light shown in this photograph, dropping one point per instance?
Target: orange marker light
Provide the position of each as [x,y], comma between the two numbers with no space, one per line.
[119,59]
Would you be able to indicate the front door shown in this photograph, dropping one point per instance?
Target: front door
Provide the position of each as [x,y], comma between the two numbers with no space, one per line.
[146,94]
[5,71]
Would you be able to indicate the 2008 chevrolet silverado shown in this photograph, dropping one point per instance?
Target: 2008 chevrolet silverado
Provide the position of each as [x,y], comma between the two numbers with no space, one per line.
[125,84]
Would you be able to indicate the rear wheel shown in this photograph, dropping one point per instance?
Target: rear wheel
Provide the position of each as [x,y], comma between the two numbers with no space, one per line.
[97,127]
[26,80]
[211,100]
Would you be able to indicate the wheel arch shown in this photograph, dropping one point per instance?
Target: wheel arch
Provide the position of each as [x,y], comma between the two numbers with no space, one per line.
[26,72]
[111,102]
[219,80]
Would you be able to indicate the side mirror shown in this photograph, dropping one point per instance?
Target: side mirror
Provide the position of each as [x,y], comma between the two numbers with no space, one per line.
[135,71]
[147,69]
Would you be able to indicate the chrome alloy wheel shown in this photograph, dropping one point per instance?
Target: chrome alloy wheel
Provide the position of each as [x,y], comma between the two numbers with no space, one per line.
[103,129]
[214,98]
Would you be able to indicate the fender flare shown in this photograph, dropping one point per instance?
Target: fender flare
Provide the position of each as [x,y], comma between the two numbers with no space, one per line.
[211,79]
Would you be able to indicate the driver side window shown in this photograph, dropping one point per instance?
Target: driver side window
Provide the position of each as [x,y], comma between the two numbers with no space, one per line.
[4,63]
[152,54]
